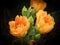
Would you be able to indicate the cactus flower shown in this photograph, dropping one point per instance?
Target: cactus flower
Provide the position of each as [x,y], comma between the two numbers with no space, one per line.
[44,21]
[19,27]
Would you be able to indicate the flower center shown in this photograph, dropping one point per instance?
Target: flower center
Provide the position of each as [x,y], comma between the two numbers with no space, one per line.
[20,26]
[46,19]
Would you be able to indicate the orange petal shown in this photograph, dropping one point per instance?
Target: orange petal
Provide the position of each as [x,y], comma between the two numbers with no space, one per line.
[17,20]
[23,20]
[15,32]
[12,24]
[41,13]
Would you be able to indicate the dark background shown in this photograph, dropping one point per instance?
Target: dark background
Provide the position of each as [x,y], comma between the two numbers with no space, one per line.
[10,8]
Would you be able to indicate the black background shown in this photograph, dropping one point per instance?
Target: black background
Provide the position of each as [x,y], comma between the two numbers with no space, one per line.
[10,8]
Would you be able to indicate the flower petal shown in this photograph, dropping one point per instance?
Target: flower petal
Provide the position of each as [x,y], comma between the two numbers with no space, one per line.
[12,24]
[17,20]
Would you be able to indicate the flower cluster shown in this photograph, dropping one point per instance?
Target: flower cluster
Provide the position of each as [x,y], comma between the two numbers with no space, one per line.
[31,24]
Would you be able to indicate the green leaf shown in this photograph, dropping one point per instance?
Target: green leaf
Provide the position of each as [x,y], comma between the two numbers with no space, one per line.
[36,27]
[32,32]
[31,12]
[28,12]
[37,36]
[24,34]
[31,20]
[24,11]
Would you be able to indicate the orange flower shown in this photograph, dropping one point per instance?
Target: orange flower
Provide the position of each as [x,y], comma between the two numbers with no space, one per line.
[44,21]
[38,4]
[19,27]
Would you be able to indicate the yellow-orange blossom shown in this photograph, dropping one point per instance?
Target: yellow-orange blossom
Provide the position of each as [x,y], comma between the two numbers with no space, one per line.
[38,4]
[19,27]
[44,21]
